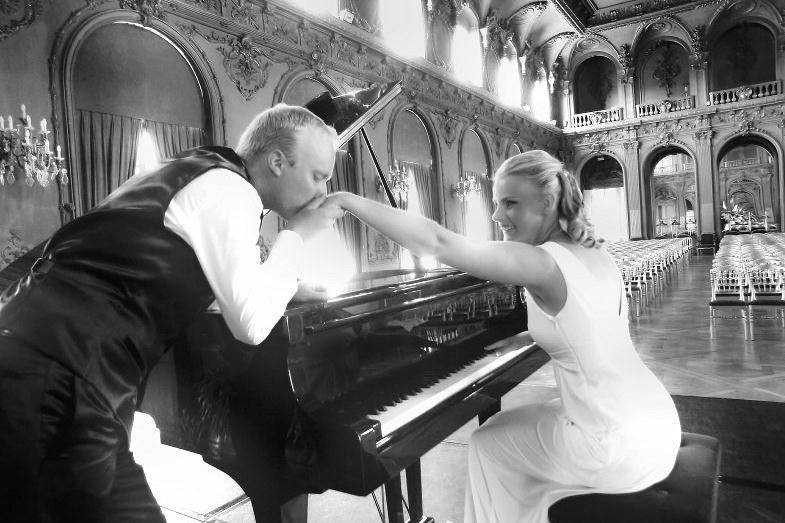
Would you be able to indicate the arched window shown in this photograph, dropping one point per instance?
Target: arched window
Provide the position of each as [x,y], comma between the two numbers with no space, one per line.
[478,200]
[403,26]
[413,160]
[130,82]
[467,48]
[541,96]
[508,77]
[604,197]
[594,87]
[743,55]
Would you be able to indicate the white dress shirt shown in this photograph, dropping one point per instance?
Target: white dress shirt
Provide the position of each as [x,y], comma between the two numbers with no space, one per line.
[219,214]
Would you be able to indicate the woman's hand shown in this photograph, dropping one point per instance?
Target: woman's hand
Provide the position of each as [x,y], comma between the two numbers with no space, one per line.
[339,199]
[512,343]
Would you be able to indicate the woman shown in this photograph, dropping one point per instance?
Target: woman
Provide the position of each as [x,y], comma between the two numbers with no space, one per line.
[614,427]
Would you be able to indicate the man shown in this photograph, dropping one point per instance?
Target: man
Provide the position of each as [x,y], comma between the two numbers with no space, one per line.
[115,287]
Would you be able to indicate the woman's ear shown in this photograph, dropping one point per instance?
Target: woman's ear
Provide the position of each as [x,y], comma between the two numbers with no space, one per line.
[548,202]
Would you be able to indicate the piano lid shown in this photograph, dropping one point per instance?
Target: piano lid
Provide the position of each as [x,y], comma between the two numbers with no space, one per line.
[348,112]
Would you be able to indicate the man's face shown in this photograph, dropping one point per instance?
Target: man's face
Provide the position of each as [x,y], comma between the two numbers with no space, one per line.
[305,175]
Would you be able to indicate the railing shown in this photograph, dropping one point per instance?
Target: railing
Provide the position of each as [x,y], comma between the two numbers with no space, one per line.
[745,92]
[739,163]
[665,106]
[667,169]
[614,114]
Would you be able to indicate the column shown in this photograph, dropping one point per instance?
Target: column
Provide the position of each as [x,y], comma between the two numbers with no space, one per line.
[709,213]
[633,187]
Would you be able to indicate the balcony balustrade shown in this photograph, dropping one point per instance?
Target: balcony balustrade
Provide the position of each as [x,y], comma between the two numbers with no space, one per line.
[665,106]
[745,92]
[614,114]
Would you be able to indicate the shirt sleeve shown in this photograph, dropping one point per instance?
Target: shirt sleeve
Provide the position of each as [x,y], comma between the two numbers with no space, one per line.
[218,215]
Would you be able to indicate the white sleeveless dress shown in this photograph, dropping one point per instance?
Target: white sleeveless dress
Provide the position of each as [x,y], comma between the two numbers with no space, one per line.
[614,428]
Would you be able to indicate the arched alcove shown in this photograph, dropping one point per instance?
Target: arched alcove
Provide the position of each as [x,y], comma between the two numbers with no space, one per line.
[413,154]
[475,169]
[670,184]
[604,197]
[594,86]
[126,84]
[466,54]
[663,72]
[744,54]
[748,185]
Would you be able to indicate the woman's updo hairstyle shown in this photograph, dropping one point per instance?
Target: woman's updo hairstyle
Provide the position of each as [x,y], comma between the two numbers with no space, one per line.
[548,173]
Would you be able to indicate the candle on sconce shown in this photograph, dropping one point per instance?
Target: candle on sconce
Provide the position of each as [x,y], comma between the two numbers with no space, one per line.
[2,124]
[10,123]
[43,125]
[24,112]
[58,151]
[29,121]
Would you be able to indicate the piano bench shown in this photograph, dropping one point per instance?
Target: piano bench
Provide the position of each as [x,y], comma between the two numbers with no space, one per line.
[687,495]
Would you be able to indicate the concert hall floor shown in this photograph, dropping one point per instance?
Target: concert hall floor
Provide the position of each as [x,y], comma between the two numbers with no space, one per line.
[672,335]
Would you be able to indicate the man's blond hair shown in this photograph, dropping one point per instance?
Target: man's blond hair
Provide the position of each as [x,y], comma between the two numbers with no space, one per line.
[276,129]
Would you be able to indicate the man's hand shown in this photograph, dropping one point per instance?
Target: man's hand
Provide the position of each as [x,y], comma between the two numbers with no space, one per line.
[512,343]
[309,291]
[315,217]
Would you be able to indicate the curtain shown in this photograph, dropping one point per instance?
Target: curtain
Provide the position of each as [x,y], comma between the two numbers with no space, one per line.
[344,180]
[607,210]
[423,183]
[486,193]
[171,139]
[107,155]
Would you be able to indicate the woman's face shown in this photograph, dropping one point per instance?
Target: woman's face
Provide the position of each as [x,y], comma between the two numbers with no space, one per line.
[521,210]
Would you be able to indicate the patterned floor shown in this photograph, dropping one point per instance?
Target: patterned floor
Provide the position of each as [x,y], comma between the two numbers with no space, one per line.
[674,337]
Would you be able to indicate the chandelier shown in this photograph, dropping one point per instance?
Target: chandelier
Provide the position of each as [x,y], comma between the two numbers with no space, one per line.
[400,182]
[31,153]
[467,184]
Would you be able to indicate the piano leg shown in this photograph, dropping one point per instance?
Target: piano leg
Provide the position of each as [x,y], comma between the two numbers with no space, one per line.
[392,488]
[483,416]
[414,491]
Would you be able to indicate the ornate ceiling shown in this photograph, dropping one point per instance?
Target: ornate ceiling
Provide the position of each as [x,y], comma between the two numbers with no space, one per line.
[554,17]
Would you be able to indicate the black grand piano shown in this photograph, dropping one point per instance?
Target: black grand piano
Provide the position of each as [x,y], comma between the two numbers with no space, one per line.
[349,393]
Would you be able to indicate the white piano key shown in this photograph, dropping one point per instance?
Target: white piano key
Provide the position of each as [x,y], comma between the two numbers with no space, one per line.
[396,416]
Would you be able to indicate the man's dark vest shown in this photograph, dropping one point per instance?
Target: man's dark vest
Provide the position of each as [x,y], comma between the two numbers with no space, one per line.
[114,287]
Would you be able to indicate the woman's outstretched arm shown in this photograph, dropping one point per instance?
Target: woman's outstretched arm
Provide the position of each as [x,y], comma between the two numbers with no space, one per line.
[503,261]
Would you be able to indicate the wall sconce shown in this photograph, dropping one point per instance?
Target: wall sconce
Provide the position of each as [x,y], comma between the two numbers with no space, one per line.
[467,183]
[400,183]
[18,147]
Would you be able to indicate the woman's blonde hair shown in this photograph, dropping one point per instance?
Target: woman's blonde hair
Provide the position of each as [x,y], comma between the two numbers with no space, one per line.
[549,174]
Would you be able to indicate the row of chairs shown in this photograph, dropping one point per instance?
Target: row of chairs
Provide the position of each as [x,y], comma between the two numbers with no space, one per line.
[646,266]
[749,268]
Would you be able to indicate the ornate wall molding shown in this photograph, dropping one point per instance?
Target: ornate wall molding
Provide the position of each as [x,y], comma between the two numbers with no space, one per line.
[147,9]
[16,14]
[327,44]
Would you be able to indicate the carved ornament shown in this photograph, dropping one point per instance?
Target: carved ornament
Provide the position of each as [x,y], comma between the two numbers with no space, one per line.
[16,14]
[699,57]
[499,33]
[450,124]
[246,67]
[627,63]
[703,135]
[666,131]
[147,9]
